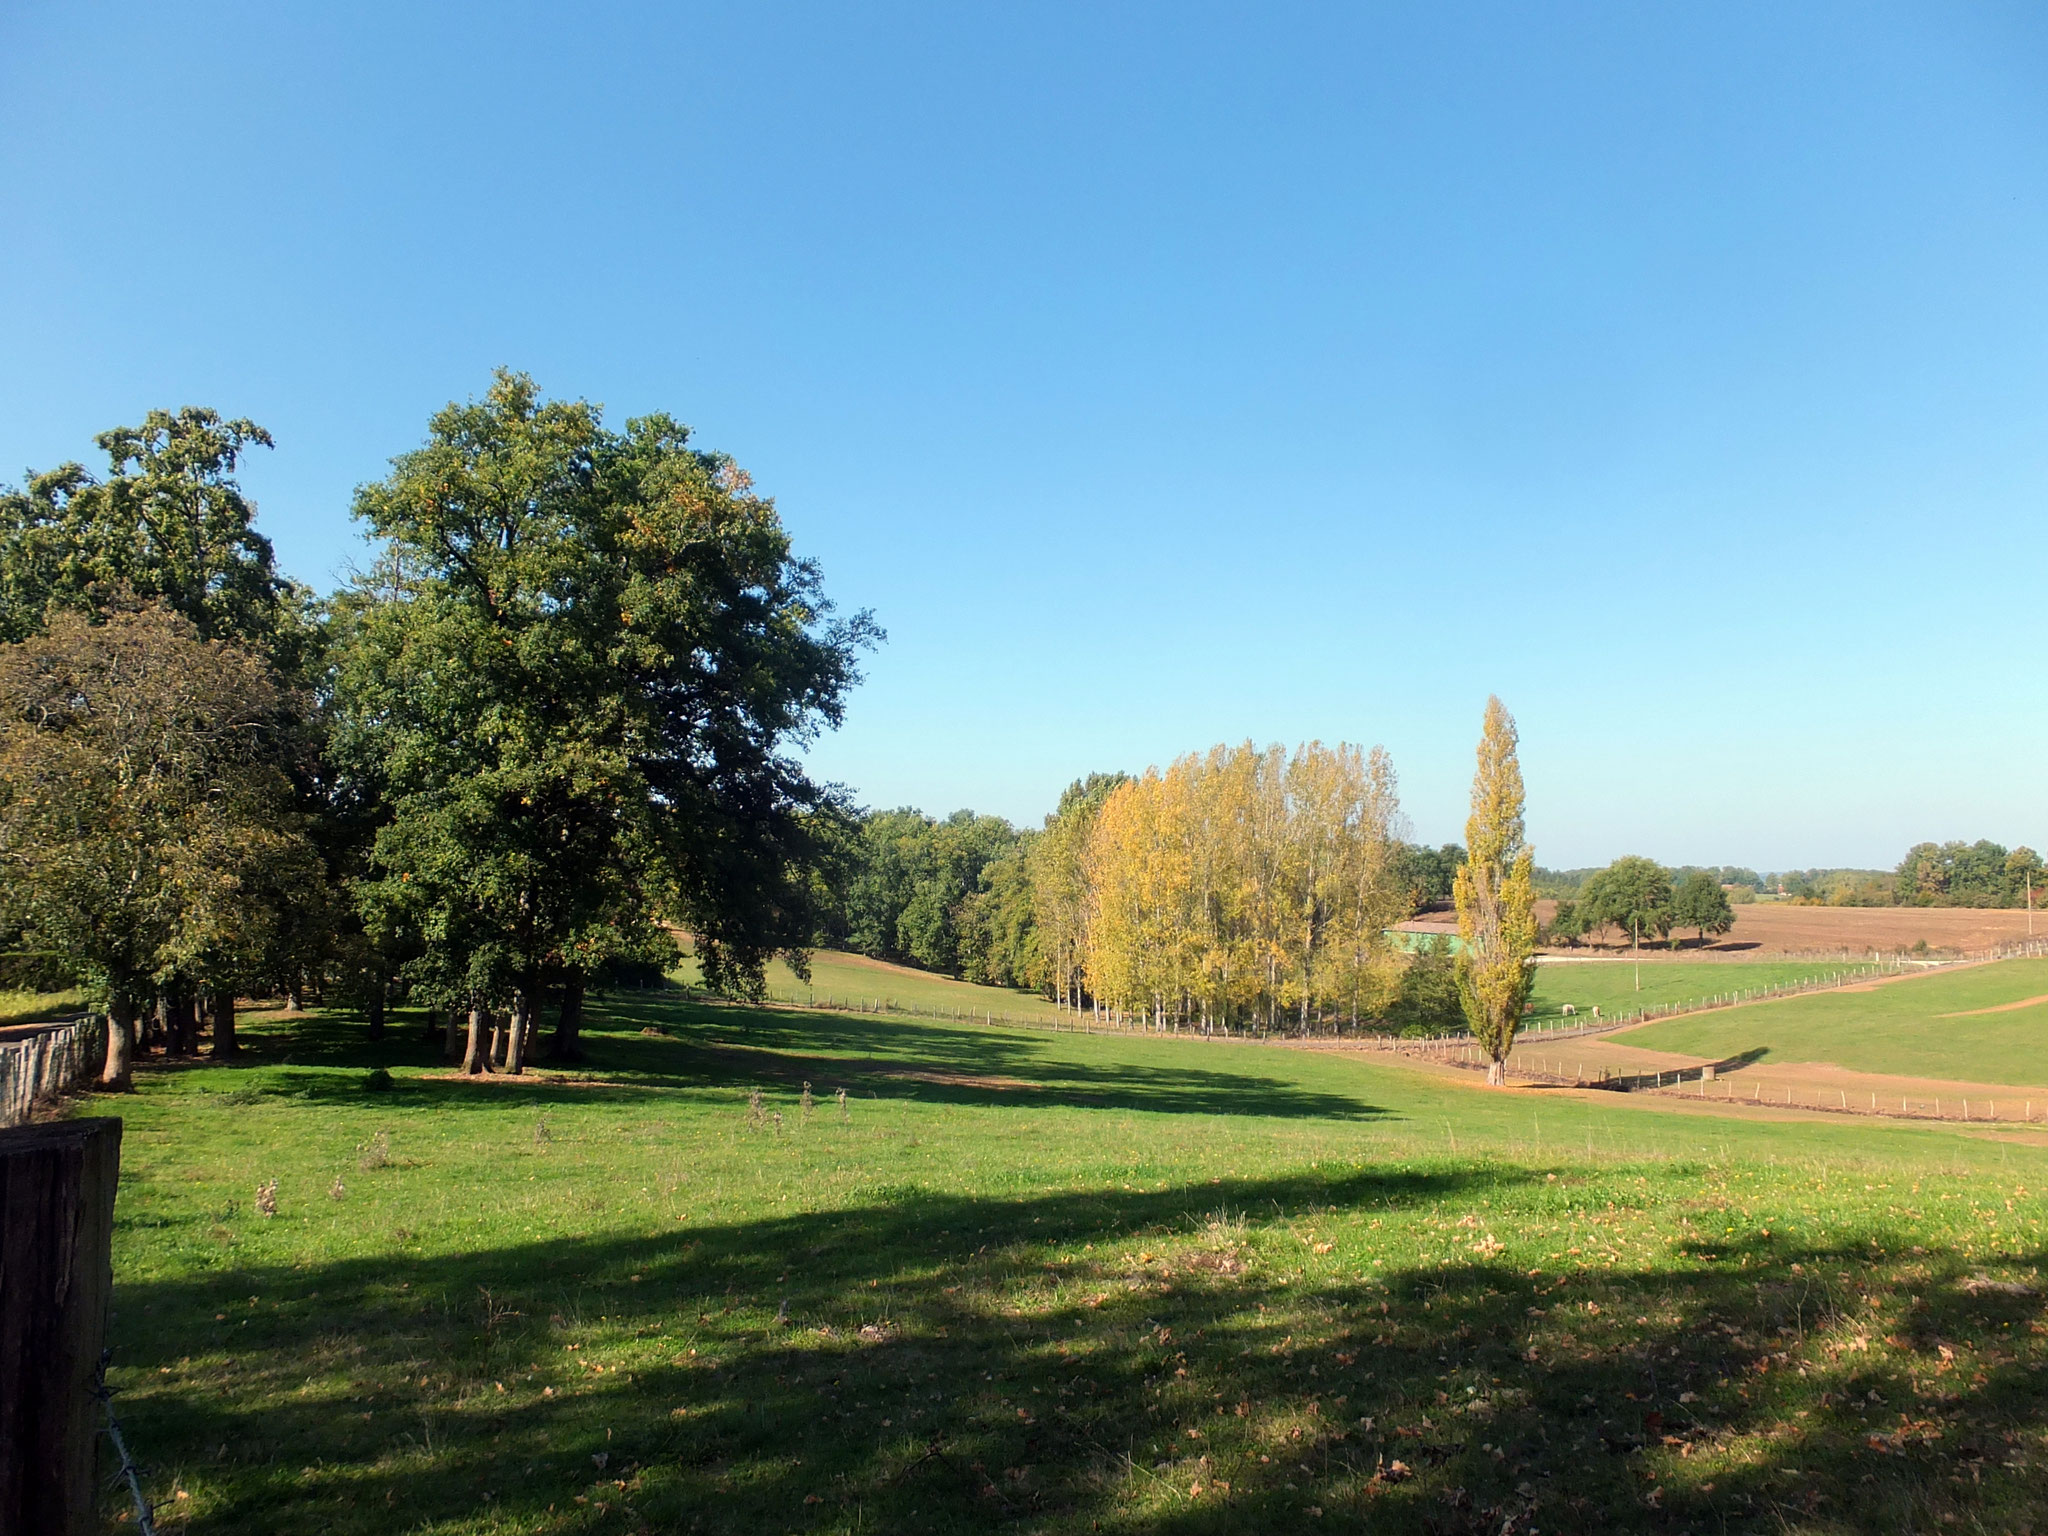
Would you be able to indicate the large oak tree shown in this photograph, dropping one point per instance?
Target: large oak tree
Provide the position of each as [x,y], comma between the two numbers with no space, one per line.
[575,680]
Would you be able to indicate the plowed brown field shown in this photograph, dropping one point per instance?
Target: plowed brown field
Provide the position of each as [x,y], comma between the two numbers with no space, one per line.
[1763,929]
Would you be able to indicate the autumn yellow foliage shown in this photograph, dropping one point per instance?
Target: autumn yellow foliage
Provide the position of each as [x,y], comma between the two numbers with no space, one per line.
[1247,887]
[1496,896]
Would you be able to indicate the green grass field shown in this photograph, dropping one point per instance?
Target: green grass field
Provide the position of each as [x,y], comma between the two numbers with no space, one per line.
[851,980]
[1050,1283]
[19,1007]
[1612,983]
[1909,1027]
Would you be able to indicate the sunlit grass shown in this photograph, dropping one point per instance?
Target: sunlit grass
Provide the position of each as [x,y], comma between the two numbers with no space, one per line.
[1924,1026]
[843,980]
[1051,1283]
[1626,986]
[24,1007]
[1615,986]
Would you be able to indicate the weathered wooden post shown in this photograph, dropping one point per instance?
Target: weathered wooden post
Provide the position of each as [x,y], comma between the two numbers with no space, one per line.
[56,1273]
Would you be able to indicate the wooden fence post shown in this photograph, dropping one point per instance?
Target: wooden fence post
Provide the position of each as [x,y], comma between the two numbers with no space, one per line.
[56,1273]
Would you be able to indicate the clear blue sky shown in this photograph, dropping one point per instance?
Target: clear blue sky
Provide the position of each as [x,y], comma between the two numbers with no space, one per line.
[1168,375]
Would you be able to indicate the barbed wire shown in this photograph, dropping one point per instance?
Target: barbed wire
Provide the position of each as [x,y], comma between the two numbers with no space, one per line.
[145,1512]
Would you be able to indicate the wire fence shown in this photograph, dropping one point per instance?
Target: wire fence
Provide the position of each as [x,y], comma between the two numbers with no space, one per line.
[1574,1026]
[1548,1027]
[1717,1082]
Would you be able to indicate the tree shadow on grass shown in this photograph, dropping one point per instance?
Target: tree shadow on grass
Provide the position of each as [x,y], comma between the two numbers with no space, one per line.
[1112,1360]
[701,1047]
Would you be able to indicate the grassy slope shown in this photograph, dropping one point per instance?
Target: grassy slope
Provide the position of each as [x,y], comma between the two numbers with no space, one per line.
[854,979]
[1051,1283]
[18,1007]
[1612,984]
[1897,1027]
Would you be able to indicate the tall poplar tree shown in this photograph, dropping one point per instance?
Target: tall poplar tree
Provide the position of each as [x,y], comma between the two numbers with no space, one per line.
[1496,896]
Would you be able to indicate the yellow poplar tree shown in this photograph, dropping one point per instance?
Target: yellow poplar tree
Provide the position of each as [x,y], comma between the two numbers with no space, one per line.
[1242,885]
[1496,895]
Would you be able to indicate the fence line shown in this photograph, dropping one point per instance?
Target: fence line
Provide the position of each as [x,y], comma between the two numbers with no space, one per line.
[1551,1028]
[46,1063]
[1448,1046]
[1711,1082]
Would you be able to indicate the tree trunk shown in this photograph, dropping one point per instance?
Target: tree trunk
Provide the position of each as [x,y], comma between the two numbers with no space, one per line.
[119,1073]
[224,1044]
[515,1035]
[1496,1073]
[56,1228]
[451,1028]
[568,1044]
[474,1062]
[182,1023]
[376,1009]
[495,1060]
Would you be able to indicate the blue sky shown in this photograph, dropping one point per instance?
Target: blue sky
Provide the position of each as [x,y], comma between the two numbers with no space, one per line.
[1167,375]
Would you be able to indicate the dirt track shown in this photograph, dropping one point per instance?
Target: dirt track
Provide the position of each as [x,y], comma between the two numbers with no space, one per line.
[1799,1090]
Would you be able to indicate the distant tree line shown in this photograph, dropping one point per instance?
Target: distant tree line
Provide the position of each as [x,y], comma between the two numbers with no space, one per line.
[552,723]
[1954,874]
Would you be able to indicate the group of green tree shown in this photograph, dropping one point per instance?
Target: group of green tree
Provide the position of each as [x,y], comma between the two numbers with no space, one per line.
[967,895]
[1979,874]
[553,722]
[1953,874]
[1635,898]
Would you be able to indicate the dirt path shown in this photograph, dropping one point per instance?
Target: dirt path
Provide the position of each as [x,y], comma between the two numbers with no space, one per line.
[1971,1013]
[1797,1088]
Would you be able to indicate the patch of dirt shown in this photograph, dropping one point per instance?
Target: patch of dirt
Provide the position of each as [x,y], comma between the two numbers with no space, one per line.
[1790,1088]
[1971,1013]
[1212,1261]
[527,1079]
[964,1080]
[765,1062]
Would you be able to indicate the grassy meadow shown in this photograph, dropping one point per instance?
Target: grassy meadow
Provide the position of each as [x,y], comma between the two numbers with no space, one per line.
[1613,984]
[1610,984]
[1050,1283]
[843,979]
[18,1006]
[1921,1026]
